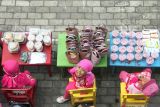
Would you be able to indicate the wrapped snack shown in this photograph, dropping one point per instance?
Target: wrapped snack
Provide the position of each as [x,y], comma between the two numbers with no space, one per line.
[34,31]
[132,34]
[115,33]
[146,54]
[13,47]
[39,37]
[149,60]
[124,41]
[114,56]
[122,57]
[116,41]
[38,46]
[139,42]
[130,48]
[114,48]
[139,35]
[47,40]
[132,42]
[130,57]
[124,34]
[8,37]
[138,49]
[122,49]
[155,54]
[138,56]
[45,32]
[31,37]
[30,46]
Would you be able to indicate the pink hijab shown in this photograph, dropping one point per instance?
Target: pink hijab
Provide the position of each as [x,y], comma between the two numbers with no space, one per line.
[13,78]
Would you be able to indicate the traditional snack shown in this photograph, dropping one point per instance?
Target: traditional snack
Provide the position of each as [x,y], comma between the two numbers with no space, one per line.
[31,37]
[130,48]
[39,37]
[47,40]
[122,49]
[8,37]
[38,46]
[122,57]
[19,37]
[30,46]
[13,47]
[114,56]
[115,33]
[114,48]
[138,56]
[116,41]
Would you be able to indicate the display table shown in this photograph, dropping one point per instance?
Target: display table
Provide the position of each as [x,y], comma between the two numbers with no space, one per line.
[61,56]
[134,63]
[16,56]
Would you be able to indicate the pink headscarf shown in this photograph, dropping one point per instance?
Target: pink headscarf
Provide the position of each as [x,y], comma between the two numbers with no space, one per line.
[86,65]
[13,78]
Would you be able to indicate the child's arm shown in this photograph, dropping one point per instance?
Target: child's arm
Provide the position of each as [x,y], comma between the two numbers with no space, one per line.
[90,79]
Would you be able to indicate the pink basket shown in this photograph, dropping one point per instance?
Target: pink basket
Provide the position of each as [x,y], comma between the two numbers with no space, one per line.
[151,88]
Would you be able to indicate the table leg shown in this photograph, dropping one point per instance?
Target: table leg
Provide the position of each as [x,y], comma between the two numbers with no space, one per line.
[113,69]
[49,70]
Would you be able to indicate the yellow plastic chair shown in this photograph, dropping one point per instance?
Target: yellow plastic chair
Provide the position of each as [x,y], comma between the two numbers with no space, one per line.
[132,100]
[83,95]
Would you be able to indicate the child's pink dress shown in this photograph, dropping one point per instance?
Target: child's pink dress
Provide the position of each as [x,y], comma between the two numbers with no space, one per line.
[80,82]
[13,78]
[133,85]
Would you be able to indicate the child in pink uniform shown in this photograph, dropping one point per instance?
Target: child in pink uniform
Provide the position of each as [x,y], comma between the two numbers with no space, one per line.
[82,78]
[13,78]
[135,81]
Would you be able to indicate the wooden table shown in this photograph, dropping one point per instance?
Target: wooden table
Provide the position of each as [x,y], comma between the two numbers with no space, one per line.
[6,55]
[61,56]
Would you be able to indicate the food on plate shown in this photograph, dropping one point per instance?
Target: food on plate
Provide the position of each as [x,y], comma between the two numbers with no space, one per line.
[13,47]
